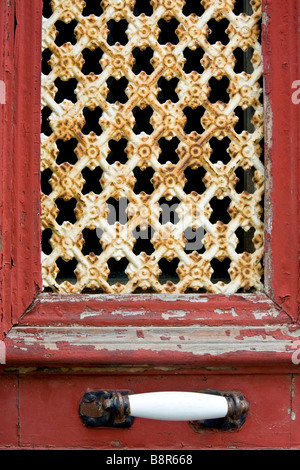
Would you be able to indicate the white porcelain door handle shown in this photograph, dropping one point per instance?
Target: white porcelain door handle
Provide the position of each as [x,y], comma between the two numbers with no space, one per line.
[222,410]
[177,406]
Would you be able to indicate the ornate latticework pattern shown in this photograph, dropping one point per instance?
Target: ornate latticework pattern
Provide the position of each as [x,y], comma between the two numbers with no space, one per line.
[136,119]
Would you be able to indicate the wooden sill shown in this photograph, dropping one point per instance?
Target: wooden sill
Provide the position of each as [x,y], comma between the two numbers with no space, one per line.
[152,331]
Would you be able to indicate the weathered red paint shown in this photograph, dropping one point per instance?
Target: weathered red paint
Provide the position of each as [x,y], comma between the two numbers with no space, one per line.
[54,309]
[9,418]
[6,75]
[59,425]
[24,247]
[20,270]
[262,330]
[281,42]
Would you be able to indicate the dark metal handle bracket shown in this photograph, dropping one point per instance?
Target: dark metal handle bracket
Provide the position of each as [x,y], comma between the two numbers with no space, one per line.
[106,408]
[112,408]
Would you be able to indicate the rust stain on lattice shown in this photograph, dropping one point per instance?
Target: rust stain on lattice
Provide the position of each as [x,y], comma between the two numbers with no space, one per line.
[195,270]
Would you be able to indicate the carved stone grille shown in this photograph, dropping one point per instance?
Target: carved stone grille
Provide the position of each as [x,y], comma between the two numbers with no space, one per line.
[151,146]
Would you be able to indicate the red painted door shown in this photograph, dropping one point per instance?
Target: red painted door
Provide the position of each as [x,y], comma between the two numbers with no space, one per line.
[55,348]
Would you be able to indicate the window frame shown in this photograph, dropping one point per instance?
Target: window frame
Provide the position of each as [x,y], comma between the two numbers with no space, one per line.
[194,330]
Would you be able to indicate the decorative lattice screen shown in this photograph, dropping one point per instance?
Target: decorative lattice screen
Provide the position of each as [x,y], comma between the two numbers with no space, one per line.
[152,128]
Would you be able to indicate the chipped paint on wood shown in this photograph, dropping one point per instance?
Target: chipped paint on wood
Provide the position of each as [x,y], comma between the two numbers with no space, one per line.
[279,306]
[20,268]
[281,33]
[257,346]
[153,345]
[149,309]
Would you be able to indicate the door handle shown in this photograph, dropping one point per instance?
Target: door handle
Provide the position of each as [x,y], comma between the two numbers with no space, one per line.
[205,409]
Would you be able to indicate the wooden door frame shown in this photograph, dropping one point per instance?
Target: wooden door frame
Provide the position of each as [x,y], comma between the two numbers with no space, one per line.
[191,331]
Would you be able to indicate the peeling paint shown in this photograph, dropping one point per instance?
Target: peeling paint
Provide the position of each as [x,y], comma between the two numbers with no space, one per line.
[125,313]
[224,311]
[51,346]
[260,314]
[88,315]
[197,341]
[2,92]
[174,314]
